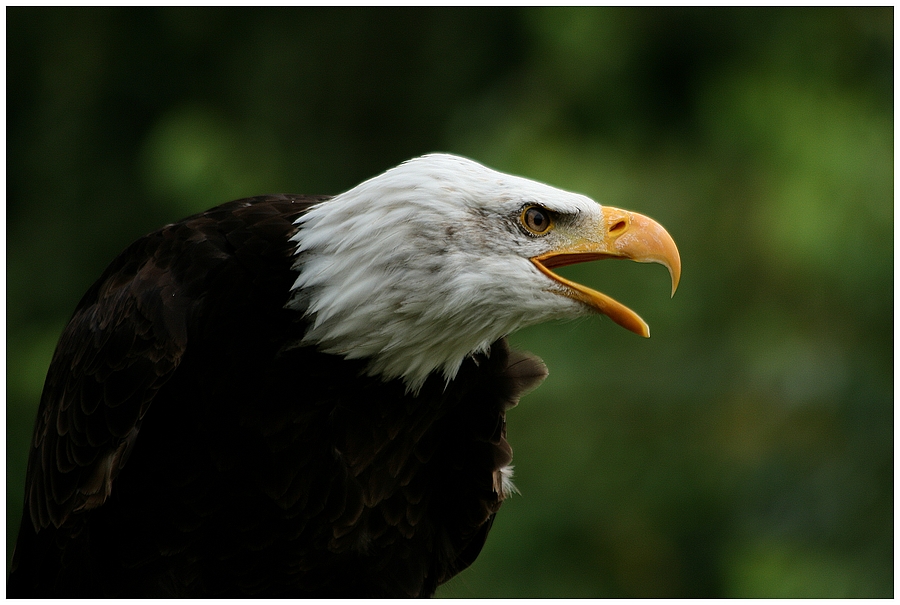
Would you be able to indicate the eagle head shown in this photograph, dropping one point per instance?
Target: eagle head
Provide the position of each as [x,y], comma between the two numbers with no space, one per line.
[435,259]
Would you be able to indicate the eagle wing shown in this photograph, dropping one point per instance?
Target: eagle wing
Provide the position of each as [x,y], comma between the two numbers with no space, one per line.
[124,341]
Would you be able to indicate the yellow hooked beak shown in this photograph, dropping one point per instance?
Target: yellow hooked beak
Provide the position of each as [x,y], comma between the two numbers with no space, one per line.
[622,234]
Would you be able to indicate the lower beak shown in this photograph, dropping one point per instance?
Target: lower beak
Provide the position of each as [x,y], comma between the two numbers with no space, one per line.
[622,234]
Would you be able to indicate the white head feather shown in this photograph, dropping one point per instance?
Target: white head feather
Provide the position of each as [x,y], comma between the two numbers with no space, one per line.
[426,264]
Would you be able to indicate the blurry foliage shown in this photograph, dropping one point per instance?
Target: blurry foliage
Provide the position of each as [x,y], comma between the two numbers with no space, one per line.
[745,451]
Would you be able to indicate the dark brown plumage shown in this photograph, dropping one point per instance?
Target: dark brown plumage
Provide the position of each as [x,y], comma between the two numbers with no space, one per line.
[181,449]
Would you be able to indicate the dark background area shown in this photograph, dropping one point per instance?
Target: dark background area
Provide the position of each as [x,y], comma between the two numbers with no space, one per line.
[746,450]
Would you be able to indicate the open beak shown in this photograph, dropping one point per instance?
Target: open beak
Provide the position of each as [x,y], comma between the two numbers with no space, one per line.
[622,234]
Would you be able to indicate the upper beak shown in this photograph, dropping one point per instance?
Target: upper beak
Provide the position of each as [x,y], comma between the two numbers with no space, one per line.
[621,234]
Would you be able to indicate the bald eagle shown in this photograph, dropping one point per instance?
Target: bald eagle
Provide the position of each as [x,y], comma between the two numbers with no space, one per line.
[297,395]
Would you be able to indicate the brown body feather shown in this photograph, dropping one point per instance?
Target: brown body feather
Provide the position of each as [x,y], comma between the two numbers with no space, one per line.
[184,447]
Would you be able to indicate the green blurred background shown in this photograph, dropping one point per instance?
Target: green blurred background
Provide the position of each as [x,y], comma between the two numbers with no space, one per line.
[746,450]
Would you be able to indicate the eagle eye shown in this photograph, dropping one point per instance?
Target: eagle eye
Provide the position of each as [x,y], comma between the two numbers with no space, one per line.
[536,220]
